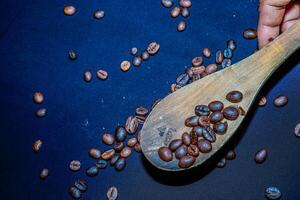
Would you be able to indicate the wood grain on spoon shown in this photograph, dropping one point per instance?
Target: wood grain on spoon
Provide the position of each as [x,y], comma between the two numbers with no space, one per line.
[166,121]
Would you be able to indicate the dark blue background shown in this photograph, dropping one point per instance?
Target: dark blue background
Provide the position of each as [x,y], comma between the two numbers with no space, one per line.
[35,37]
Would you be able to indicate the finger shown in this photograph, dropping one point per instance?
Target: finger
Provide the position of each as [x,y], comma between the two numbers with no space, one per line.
[292,13]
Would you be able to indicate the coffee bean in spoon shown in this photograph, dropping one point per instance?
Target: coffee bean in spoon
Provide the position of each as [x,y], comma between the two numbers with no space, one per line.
[186,161]
[231,113]
[165,154]
[204,146]
[216,106]
[175,144]
[234,96]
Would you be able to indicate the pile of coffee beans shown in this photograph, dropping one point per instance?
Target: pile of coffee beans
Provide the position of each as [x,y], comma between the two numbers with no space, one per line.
[76,191]
[208,122]
[182,9]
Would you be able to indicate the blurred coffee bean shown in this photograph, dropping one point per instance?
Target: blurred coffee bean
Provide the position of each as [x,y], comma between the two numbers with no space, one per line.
[87,76]
[272,193]
[114,159]
[234,96]
[102,74]
[231,113]
[38,97]
[241,110]
[221,163]
[175,12]
[108,154]
[189,72]
[185,12]
[141,119]
[173,87]
[137,61]
[204,146]
[175,144]
[112,193]
[126,152]
[141,111]
[99,14]
[209,134]
[94,153]
[198,70]
[182,80]
[72,55]
[193,150]
[192,121]
[226,63]
[216,117]
[120,134]
[165,154]
[138,148]
[194,137]
[37,145]
[211,68]
[227,53]
[219,57]
[41,112]
[262,101]
[186,161]
[44,173]
[119,146]
[297,130]
[120,164]
[181,26]
[75,165]
[101,164]
[216,106]
[198,130]
[186,139]
[92,171]
[108,139]
[153,48]
[203,121]
[131,142]
[145,55]
[132,125]
[261,156]
[202,110]
[280,101]
[230,155]
[75,192]
[220,127]
[206,52]
[81,185]
[231,44]
[181,151]
[134,51]
[197,61]
[125,65]
[250,34]
[167,3]
[185,3]
[69,10]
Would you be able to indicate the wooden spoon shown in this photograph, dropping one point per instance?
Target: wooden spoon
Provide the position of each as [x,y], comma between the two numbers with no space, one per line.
[166,121]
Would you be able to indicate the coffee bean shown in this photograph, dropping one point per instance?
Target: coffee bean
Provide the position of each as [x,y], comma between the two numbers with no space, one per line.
[216,117]
[198,130]
[165,154]
[125,65]
[234,96]
[227,53]
[175,144]
[186,139]
[119,146]
[272,193]
[112,193]
[167,3]
[261,156]
[189,72]
[120,134]
[69,10]
[209,134]
[72,55]
[250,33]
[92,171]
[153,48]
[194,137]
[192,121]
[220,127]
[132,125]
[211,68]
[185,3]
[102,74]
[99,14]
[114,159]
[202,110]
[87,76]
[138,148]
[197,61]
[204,146]
[141,111]
[120,164]
[81,185]
[37,145]
[185,12]
[206,52]
[226,63]
[145,55]
[175,12]
[107,155]
[231,44]
[173,87]
[186,161]
[193,150]
[198,70]
[38,97]
[75,192]
[242,112]
[101,164]
[75,165]
[108,139]
[42,112]
[44,173]
[204,121]
[131,142]
[297,130]
[216,106]
[262,101]
[134,51]
[126,152]
[181,151]
[141,119]
[182,80]
[230,155]
[231,113]
[219,57]
[221,163]
[181,26]
[137,61]
[280,101]
[94,153]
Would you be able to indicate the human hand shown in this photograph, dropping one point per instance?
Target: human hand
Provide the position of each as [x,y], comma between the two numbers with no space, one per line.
[275,17]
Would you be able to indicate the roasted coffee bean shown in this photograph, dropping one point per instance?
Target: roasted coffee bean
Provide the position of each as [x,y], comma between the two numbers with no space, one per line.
[44,173]
[167,3]
[69,10]
[197,61]
[226,63]
[181,151]
[202,110]
[185,3]
[250,33]
[87,76]
[183,79]
[102,74]
[120,164]
[186,161]
[234,96]
[120,134]
[197,77]
[216,106]
[173,87]
[81,185]
[204,121]
[280,101]
[209,134]
[134,51]
[227,53]
[153,48]
[230,155]
[297,130]
[99,14]
[38,97]
[75,165]
[198,130]
[131,142]
[206,52]
[125,65]
[141,111]
[185,12]
[114,159]
[221,163]
[181,26]
[231,44]
[165,154]
[72,55]
[92,171]
[112,193]
[192,121]
[75,192]
[261,156]
[242,112]
[37,145]
[220,127]
[231,113]
[272,193]
[139,137]
[175,144]
[216,117]
[137,61]
[211,68]
[204,146]
[262,101]
[101,164]
[108,139]
[145,55]
[175,12]
[141,119]
[94,153]
[126,152]
[193,150]
[186,138]
[138,148]
[119,146]
[107,155]
[198,70]
[132,125]
[41,112]
[189,72]
[194,137]
[219,57]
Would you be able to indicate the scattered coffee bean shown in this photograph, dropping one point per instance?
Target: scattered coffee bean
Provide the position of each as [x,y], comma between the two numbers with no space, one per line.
[206,52]
[137,61]
[181,151]
[186,161]
[108,139]
[231,44]
[131,142]
[173,87]
[250,33]
[141,119]
[112,193]
[92,171]
[167,3]
[175,12]
[216,117]
[228,53]
[181,26]
[186,139]
[72,55]
[114,159]
[101,164]
[197,61]
[193,150]
[230,155]
[102,74]
[262,101]
[204,121]
[153,48]
[198,70]
[185,3]
[280,101]
[216,106]
[75,165]
[185,12]
[81,185]
[192,121]
[297,130]
[231,113]
[42,112]
[126,152]
[204,146]
[87,76]
[261,156]
[145,55]
[44,173]
[211,68]
[189,72]
[134,51]
[220,127]
[234,96]
[107,155]
[69,10]
[99,14]
[125,65]
[165,154]
[198,130]
[219,57]
[37,145]
[75,192]
[272,193]
[120,164]
[141,111]
[202,110]
[209,134]
[182,80]
[138,148]
[38,97]
[94,153]
[175,144]
[226,63]
[120,134]
[119,146]
[132,125]
[221,163]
